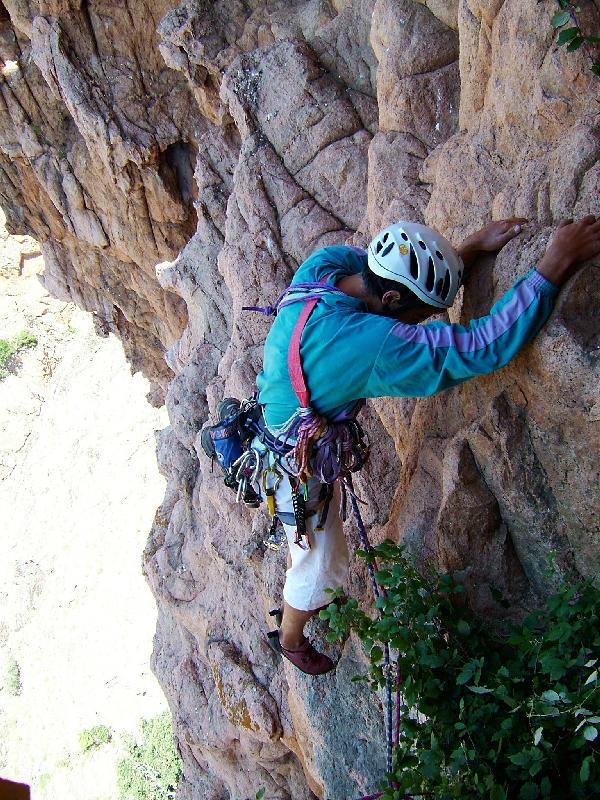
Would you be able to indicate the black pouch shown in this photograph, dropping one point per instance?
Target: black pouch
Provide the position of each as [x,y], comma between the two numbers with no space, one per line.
[226,442]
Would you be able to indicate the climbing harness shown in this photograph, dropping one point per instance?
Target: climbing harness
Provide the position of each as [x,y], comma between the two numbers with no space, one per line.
[325,449]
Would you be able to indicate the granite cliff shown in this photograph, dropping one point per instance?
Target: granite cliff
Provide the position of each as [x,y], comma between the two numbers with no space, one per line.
[179,160]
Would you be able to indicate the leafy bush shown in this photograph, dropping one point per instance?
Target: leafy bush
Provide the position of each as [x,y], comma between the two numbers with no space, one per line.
[12,678]
[7,350]
[571,36]
[484,714]
[24,339]
[44,781]
[152,768]
[10,347]
[94,737]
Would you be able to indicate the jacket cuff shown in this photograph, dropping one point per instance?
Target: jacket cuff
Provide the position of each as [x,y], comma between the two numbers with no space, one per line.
[538,282]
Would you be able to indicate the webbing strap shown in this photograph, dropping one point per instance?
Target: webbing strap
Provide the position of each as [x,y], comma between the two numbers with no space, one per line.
[294,361]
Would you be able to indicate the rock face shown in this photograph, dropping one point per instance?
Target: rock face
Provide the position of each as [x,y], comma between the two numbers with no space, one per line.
[228,140]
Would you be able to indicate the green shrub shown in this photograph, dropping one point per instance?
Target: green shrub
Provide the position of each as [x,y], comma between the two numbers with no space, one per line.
[12,678]
[10,347]
[571,36]
[484,714]
[94,737]
[152,768]
[44,782]
[24,339]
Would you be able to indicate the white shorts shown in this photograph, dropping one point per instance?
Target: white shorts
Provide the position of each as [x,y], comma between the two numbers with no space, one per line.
[325,564]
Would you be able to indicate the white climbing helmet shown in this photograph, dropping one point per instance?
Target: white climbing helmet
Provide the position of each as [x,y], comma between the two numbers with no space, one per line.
[420,258]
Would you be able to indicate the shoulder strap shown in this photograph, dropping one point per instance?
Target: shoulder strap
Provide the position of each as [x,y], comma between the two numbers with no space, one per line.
[294,360]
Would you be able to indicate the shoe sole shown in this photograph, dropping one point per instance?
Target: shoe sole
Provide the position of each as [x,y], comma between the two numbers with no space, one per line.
[275,645]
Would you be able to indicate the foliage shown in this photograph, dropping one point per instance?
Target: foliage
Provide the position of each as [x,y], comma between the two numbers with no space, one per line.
[12,678]
[10,347]
[483,714]
[571,36]
[44,781]
[94,737]
[152,768]
[260,794]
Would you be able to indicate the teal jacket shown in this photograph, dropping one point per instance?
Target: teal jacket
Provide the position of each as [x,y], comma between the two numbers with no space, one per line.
[349,354]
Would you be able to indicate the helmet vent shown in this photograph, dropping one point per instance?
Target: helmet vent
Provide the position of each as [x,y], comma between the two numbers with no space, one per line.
[430,275]
[378,247]
[422,244]
[386,236]
[439,255]
[459,276]
[446,286]
[404,236]
[414,264]
[387,249]
[438,285]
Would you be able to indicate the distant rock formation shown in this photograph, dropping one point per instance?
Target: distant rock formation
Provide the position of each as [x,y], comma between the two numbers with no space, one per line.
[228,140]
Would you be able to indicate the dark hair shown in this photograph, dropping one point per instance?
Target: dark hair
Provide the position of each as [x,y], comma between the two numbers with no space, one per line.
[378,286]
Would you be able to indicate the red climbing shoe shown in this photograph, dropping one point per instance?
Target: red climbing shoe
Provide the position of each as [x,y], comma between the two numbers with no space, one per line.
[306,658]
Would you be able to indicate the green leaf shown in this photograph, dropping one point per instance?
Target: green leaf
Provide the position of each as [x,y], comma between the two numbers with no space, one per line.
[537,736]
[535,768]
[376,653]
[479,689]
[592,677]
[596,68]
[261,793]
[465,675]
[551,696]
[575,44]
[546,786]
[584,772]
[590,733]
[567,34]
[520,759]
[498,793]
[560,19]
[463,627]
[529,791]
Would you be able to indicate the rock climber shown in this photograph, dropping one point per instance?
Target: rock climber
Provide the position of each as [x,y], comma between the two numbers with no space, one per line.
[367,340]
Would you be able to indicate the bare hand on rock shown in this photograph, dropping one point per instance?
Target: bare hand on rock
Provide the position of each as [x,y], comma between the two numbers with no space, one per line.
[491,238]
[571,245]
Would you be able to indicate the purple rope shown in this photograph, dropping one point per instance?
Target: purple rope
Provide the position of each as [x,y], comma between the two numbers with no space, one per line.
[366,546]
[398,681]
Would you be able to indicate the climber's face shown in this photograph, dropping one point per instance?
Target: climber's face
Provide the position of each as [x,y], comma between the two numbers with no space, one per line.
[393,304]
[416,315]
